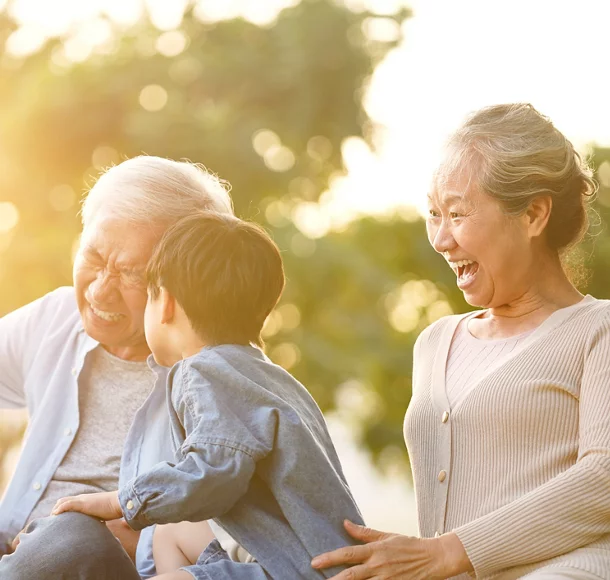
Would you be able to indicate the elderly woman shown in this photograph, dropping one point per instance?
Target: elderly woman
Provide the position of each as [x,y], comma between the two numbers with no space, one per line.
[509,426]
[77,359]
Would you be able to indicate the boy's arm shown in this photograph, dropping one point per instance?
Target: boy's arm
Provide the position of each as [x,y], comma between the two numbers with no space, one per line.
[226,436]
[205,484]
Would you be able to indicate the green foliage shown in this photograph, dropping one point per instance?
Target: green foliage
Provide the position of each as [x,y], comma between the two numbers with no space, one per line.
[301,78]
[355,299]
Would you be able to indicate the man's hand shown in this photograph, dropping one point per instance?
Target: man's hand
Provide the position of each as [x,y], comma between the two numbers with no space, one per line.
[123,533]
[104,505]
[16,540]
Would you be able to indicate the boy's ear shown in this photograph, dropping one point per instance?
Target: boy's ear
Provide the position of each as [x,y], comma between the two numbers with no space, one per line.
[168,306]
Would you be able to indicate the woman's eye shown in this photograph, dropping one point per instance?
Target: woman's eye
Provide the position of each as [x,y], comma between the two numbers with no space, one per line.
[453,215]
[432,213]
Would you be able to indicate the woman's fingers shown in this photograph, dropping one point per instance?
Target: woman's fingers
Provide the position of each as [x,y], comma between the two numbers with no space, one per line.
[347,555]
[355,573]
[363,533]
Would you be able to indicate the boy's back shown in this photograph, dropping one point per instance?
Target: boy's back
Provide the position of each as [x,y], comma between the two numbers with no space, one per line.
[263,464]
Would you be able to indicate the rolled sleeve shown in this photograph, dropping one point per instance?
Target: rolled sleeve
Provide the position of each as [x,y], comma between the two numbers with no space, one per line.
[132,508]
[210,479]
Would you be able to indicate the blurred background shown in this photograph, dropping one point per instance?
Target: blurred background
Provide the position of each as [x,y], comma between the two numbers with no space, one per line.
[327,117]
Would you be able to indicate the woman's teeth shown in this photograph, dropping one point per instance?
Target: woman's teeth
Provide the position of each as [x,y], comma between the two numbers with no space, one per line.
[464,268]
[108,316]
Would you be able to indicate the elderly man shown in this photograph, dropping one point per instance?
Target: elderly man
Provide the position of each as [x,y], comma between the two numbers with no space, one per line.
[78,359]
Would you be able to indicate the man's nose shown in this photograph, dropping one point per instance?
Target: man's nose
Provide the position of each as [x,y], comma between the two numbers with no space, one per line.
[104,288]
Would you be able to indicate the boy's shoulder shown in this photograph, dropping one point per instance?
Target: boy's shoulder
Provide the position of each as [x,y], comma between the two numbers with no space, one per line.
[225,354]
[236,369]
[223,362]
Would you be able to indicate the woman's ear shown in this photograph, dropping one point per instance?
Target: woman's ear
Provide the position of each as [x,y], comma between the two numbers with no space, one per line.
[538,214]
[168,306]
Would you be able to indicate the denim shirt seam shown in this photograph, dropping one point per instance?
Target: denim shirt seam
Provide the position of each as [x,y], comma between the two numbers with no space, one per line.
[222,443]
[185,391]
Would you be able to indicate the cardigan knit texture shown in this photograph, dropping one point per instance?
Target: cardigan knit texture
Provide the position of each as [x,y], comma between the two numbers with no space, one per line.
[520,470]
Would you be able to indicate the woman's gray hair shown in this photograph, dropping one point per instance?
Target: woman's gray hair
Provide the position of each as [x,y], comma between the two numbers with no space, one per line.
[515,154]
[153,190]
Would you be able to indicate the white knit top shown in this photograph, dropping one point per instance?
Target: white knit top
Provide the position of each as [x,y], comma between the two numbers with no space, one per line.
[520,470]
[470,358]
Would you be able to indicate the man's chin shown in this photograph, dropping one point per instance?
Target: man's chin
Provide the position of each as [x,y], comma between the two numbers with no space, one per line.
[110,335]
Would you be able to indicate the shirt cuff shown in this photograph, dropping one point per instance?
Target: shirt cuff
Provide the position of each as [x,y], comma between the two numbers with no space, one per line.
[132,508]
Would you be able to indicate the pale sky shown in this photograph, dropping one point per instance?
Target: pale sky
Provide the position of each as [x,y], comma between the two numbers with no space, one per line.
[458,56]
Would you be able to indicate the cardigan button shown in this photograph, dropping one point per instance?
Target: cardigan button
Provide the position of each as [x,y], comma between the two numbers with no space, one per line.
[437,534]
[445,417]
[442,476]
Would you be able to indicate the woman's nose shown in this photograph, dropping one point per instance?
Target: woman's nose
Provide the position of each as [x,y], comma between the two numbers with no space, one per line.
[441,238]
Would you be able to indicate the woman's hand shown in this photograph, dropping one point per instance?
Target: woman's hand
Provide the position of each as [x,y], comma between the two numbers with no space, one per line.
[104,506]
[394,556]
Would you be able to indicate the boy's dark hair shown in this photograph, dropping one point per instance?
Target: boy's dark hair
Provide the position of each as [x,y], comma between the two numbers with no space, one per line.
[225,273]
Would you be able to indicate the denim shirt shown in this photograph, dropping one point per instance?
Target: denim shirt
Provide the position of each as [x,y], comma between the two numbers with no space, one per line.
[253,453]
[43,347]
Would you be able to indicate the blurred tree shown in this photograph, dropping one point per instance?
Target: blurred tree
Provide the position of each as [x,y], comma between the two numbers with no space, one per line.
[595,251]
[268,109]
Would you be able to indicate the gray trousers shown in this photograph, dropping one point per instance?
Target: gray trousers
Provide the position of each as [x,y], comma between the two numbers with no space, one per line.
[70,546]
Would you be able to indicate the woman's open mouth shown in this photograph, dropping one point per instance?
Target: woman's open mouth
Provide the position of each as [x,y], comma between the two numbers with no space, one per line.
[466,271]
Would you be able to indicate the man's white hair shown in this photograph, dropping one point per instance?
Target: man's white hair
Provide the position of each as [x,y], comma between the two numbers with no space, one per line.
[153,190]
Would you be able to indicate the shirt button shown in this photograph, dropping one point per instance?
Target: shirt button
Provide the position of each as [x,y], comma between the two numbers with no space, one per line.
[445,417]
[67,431]
[74,371]
[129,505]
[36,486]
[442,476]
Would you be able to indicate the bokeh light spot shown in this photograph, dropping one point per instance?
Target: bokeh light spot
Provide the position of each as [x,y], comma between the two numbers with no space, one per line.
[9,216]
[319,147]
[25,41]
[291,316]
[286,355]
[381,29]
[264,140]
[273,324]
[153,98]
[311,220]
[62,197]
[279,158]
[104,156]
[171,43]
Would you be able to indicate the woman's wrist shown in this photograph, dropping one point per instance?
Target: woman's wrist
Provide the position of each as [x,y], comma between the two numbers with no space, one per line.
[453,554]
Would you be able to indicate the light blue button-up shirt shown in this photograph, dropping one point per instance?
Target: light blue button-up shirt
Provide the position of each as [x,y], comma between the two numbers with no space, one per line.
[43,347]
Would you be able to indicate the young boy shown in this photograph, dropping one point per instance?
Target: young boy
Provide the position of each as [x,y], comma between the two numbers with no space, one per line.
[253,451]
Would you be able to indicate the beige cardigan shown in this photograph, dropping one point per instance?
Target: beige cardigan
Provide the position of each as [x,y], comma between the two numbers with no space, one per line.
[521,469]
